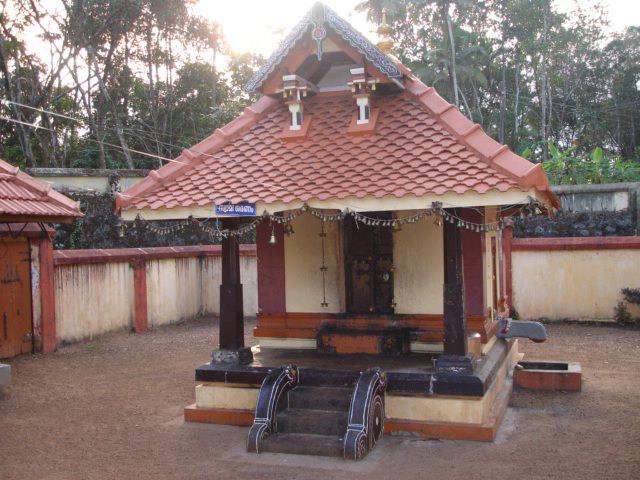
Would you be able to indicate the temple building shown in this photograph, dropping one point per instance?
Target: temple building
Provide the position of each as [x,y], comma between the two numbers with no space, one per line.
[381,213]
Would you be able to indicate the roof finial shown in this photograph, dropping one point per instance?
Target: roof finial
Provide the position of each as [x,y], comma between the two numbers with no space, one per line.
[384,30]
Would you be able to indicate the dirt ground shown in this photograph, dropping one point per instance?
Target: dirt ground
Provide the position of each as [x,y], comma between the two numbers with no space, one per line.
[111,408]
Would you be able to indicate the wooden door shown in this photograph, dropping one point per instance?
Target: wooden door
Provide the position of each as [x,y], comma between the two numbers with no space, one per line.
[15,297]
[369,267]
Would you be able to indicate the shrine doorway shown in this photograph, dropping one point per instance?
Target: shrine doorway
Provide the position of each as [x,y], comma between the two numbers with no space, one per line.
[368,266]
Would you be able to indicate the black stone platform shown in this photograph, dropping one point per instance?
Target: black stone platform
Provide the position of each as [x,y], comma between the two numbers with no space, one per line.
[411,374]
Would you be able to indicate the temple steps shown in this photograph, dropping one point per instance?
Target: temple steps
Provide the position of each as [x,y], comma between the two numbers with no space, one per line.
[329,415]
[303,444]
[313,422]
[319,422]
[321,398]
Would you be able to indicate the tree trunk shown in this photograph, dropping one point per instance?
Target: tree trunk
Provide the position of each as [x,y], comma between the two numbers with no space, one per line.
[516,105]
[448,33]
[543,92]
[116,116]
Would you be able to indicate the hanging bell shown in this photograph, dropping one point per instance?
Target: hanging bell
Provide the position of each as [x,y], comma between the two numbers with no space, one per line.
[288,229]
[272,238]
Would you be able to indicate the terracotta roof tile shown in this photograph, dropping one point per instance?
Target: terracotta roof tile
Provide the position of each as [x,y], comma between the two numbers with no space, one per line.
[413,152]
[24,196]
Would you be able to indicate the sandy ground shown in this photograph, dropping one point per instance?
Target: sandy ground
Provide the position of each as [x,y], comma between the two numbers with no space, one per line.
[111,408]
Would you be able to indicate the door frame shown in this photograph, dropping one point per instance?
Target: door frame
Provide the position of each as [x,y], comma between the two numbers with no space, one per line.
[348,287]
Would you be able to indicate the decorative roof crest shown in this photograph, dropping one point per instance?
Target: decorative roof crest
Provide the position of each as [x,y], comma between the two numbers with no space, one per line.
[317,20]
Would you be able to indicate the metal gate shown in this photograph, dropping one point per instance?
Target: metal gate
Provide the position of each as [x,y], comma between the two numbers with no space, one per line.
[16,329]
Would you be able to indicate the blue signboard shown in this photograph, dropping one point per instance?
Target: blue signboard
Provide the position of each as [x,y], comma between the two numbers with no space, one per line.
[242,209]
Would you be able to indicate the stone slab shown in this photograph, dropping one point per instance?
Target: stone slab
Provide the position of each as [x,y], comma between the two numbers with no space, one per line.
[5,375]
[5,378]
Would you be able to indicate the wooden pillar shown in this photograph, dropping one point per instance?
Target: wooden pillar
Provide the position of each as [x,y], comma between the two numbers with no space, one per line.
[231,312]
[232,349]
[140,310]
[454,358]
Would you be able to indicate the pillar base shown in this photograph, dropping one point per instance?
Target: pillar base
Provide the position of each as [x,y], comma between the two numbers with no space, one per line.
[241,356]
[454,363]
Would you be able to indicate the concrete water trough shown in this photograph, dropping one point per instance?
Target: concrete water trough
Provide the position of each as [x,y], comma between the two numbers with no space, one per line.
[548,375]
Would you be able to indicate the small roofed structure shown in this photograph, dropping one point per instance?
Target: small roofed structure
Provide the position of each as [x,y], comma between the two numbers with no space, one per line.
[382,213]
[25,199]
[26,260]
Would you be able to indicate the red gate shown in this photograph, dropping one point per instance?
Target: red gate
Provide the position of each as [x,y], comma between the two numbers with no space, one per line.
[16,329]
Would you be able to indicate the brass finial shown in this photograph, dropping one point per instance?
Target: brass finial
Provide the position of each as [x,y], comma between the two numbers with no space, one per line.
[384,30]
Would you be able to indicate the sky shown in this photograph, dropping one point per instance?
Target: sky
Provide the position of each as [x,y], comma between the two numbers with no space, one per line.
[258,25]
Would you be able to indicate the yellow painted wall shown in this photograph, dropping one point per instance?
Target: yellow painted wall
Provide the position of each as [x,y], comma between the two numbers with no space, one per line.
[303,259]
[418,278]
[417,258]
[83,183]
[581,285]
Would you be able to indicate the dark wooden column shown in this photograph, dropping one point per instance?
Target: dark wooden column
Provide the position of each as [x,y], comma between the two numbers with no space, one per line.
[454,357]
[232,349]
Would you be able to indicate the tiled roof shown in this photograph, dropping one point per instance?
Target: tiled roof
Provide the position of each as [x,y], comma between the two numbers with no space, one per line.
[422,145]
[23,196]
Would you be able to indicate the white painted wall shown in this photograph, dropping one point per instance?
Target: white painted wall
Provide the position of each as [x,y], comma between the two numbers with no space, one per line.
[173,290]
[580,285]
[92,299]
[211,277]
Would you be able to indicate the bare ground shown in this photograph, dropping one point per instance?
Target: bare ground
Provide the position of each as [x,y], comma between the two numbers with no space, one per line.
[111,408]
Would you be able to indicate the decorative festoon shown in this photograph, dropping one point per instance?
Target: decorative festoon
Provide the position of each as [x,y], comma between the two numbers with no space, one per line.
[437,210]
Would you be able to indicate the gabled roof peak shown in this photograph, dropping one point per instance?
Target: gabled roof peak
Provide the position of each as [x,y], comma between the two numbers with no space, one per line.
[23,198]
[316,22]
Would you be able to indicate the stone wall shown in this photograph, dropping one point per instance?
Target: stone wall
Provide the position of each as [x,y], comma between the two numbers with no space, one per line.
[588,211]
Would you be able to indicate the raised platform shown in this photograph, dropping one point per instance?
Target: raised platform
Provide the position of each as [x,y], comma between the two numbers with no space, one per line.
[425,328]
[419,400]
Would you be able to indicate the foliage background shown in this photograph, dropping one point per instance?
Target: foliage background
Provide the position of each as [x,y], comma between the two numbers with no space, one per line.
[144,76]
[141,76]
